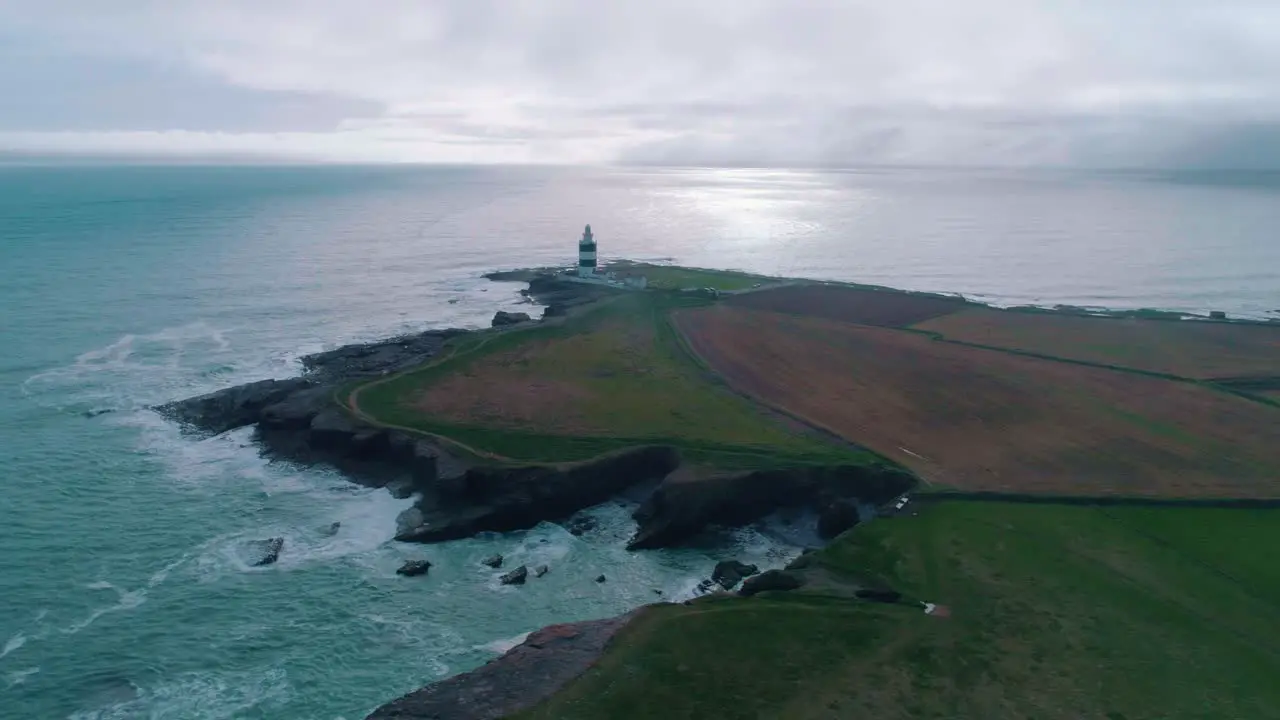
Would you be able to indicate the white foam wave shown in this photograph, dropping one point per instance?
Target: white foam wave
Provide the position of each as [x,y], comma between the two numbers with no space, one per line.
[431,641]
[125,599]
[366,524]
[18,677]
[141,369]
[502,645]
[202,695]
[13,644]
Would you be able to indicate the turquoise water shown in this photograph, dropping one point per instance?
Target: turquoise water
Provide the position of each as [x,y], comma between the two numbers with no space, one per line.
[124,593]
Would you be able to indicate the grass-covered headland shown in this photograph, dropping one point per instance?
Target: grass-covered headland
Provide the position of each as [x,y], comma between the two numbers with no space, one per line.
[1049,609]
[1055,612]
[614,376]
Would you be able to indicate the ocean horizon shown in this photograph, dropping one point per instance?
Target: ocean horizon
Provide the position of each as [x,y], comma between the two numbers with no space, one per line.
[126,286]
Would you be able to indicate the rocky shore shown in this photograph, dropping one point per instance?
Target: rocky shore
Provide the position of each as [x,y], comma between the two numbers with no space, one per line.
[300,419]
[458,495]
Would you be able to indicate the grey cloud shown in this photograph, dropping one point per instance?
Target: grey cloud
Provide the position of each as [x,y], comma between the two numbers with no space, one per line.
[777,82]
[43,91]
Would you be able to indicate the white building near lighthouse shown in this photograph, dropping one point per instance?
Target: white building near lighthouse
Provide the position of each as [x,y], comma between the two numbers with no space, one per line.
[587,254]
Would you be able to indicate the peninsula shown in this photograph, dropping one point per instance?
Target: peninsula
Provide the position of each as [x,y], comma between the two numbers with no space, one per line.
[1087,491]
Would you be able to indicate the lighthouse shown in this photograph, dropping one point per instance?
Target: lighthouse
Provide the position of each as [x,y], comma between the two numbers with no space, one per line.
[587,254]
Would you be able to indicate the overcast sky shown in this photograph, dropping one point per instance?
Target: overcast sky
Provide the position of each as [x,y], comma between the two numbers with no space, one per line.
[1129,83]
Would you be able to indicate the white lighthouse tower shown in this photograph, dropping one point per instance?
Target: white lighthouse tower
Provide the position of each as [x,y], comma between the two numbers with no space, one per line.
[587,254]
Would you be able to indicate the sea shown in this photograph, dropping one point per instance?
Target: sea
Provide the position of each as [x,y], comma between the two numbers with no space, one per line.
[125,591]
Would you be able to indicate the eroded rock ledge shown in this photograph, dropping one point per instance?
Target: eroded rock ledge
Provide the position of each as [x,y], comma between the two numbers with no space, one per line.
[689,500]
[526,675]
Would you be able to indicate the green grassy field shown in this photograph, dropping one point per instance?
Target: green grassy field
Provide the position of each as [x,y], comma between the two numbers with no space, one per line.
[613,377]
[1056,612]
[670,277]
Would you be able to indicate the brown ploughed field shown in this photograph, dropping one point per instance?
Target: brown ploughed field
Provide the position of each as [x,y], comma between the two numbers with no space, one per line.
[980,419]
[885,308]
[1186,348]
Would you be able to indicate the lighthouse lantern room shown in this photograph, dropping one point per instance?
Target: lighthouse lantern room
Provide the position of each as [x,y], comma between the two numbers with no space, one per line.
[587,254]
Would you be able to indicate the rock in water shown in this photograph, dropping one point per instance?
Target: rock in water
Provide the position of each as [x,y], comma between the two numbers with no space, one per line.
[580,525]
[503,317]
[540,571]
[332,529]
[414,568]
[600,578]
[268,551]
[770,580]
[516,577]
[493,561]
[729,573]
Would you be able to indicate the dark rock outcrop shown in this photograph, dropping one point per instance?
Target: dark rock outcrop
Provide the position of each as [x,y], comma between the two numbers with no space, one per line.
[232,408]
[503,318]
[413,568]
[295,402]
[770,580]
[838,516]
[376,358]
[296,410]
[516,577]
[400,488]
[493,561]
[686,503]
[503,499]
[728,573]
[600,578]
[540,571]
[523,275]
[560,295]
[265,552]
[332,431]
[525,676]
[409,520]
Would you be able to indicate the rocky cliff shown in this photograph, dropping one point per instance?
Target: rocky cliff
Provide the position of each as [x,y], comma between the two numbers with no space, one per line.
[691,498]
[523,677]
